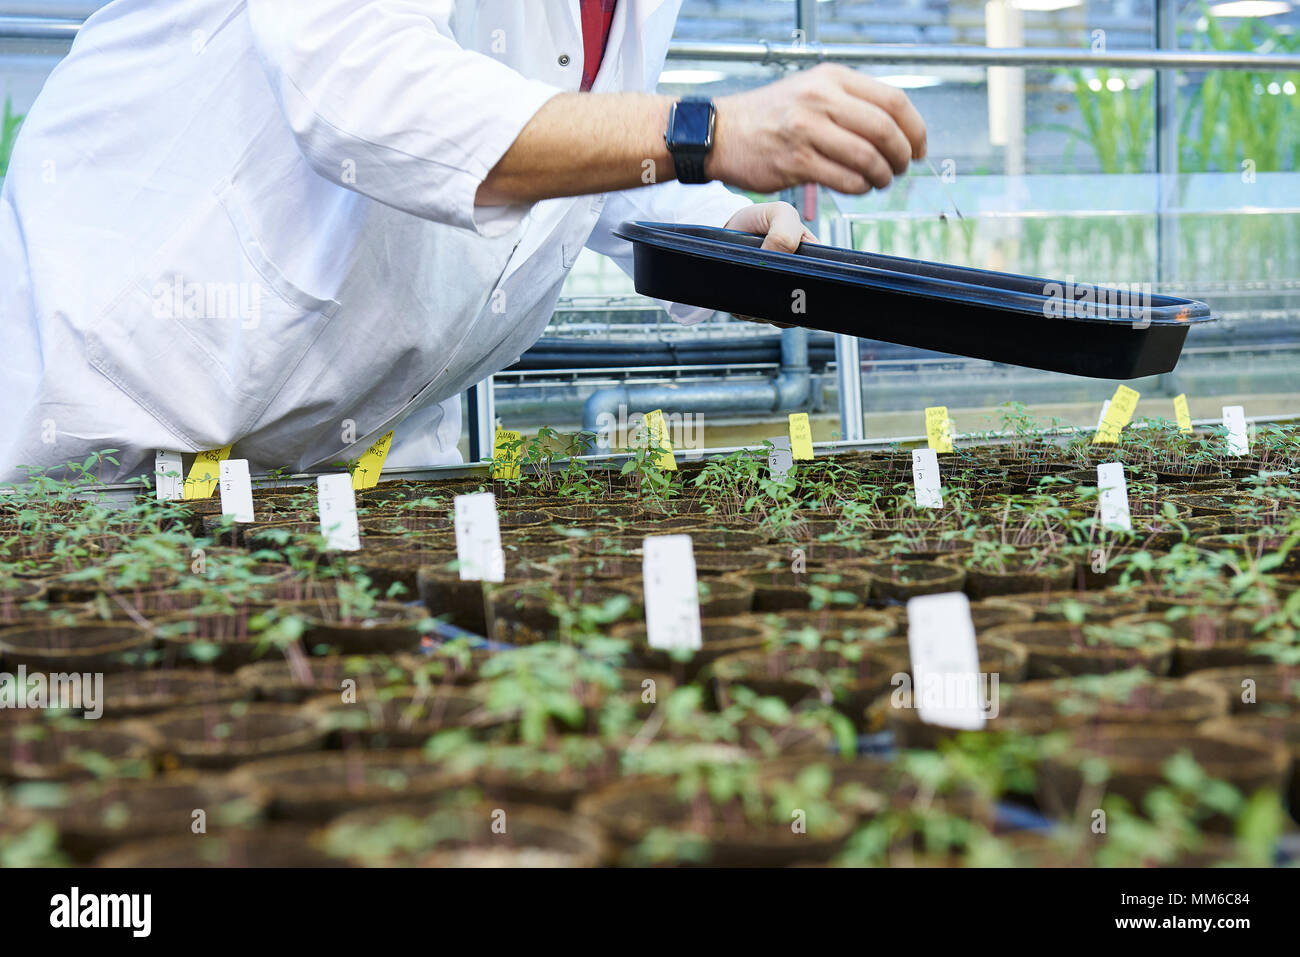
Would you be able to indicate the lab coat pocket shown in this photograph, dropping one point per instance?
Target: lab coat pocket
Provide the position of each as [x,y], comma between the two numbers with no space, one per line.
[210,331]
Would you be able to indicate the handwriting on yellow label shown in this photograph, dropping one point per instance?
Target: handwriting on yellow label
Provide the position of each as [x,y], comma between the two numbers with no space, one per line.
[800,436]
[938,428]
[366,474]
[659,441]
[1122,406]
[1183,414]
[506,448]
[205,473]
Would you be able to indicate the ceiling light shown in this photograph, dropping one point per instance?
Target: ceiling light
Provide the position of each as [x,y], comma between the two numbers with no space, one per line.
[910,81]
[1047,6]
[1250,8]
[691,77]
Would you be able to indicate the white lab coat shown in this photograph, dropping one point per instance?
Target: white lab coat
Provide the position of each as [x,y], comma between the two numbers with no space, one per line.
[254,223]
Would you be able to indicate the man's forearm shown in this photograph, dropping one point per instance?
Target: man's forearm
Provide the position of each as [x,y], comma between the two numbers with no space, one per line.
[828,125]
[581,143]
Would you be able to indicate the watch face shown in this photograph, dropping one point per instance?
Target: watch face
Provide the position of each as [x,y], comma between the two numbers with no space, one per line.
[691,126]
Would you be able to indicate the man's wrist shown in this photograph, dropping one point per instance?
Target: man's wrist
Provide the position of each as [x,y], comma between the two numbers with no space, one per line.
[713,162]
[690,136]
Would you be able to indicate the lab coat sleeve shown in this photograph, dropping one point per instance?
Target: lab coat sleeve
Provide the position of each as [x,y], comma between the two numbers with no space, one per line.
[711,204]
[384,101]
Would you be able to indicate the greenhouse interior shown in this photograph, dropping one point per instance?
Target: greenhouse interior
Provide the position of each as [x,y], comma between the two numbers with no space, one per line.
[900,472]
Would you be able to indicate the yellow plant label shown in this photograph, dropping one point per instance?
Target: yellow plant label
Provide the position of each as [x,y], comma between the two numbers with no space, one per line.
[938,428]
[506,454]
[800,436]
[657,438]
[366,474]
[1183,414]
[205,473]
[1122,406]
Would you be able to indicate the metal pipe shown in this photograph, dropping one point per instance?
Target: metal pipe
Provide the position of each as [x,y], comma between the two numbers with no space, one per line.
[1166,148]
[805,21]
[789,391]
[39,28]
[55,28]
[937,55]
[848,356]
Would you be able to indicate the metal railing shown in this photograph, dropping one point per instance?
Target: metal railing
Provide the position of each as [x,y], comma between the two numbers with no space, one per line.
[867,54]
[39,28]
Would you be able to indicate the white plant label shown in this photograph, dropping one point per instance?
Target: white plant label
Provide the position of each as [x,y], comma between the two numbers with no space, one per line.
[478,538]
[169,476]
[1234,420]
[780,458]
[1112,492]
[925,477]
[1105,407]
[946,678]
[338,513]
[236,490]
[672,597]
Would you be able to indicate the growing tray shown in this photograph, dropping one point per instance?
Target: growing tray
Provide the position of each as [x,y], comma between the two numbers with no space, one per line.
[1100,332]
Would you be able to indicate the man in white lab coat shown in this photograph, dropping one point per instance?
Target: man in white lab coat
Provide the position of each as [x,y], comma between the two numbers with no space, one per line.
[293,226]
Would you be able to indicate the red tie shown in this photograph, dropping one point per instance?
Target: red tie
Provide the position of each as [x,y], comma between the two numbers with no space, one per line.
[597,15]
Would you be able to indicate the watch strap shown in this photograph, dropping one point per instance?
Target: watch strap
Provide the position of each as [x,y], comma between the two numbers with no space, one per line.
[689,165]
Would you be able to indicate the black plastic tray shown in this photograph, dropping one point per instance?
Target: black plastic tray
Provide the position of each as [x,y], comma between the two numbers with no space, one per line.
[1018,320]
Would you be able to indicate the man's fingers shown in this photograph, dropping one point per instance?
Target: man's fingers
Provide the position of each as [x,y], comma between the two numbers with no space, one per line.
[894,102]
[824,171]
[876,126]
[785,230]
[847,149]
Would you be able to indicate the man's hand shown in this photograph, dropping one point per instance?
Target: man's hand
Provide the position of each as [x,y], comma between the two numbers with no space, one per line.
[829,125]
[783,230]
[778,223]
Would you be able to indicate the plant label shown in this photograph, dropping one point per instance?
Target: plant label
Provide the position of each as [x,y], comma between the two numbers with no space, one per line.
[672,597]
[938,429]
[236,490]
[1101,419]
[205,473]
[1112,491]
[945,661]
[1234,420]
[925,478]
[1183,414]
[780,458]
[338,512]
[659,441]
[168,471]
[478,538]
[371,464]
[1118,414]
[801,437]
[505,454]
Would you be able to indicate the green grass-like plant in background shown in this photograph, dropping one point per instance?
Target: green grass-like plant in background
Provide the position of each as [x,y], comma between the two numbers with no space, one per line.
[9,123]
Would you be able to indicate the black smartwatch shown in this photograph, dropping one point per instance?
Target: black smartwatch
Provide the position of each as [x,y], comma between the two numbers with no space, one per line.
[689,137]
